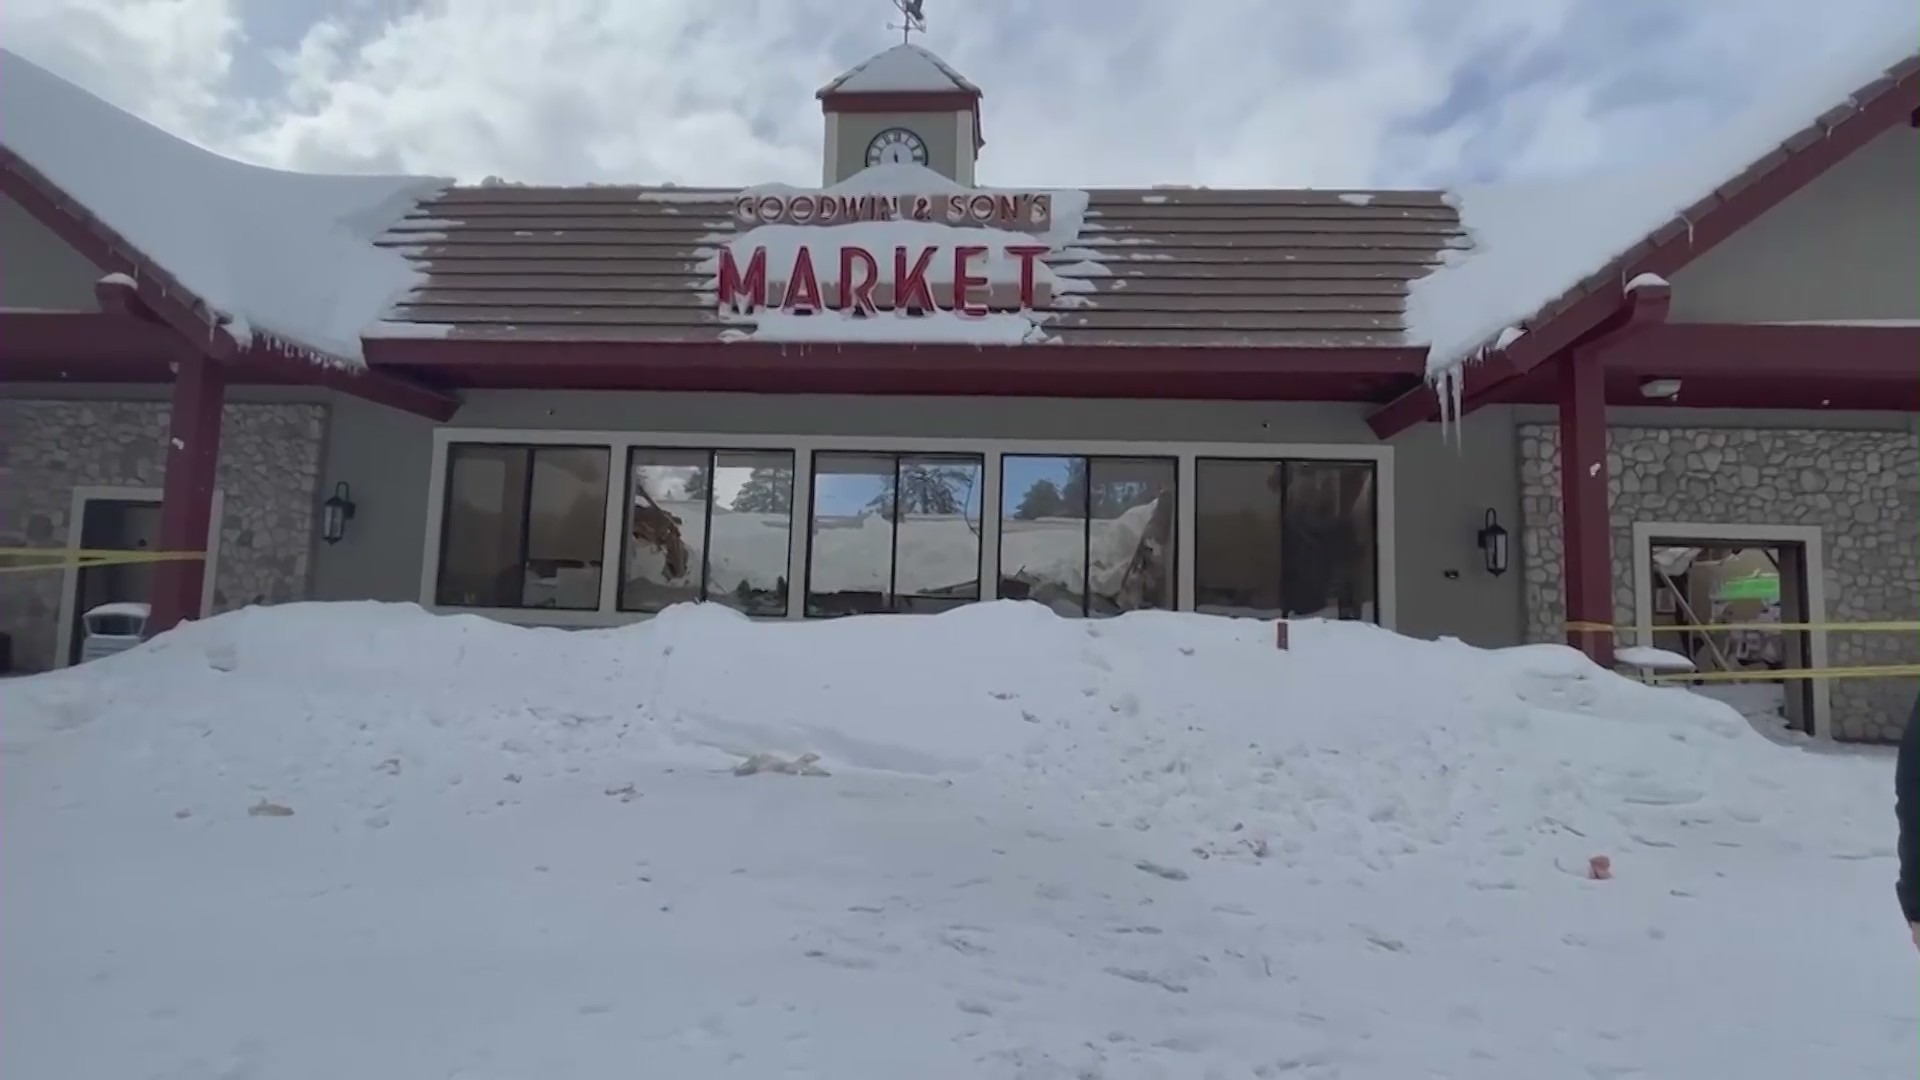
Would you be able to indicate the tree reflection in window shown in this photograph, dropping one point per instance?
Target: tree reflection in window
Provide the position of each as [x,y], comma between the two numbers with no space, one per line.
[894,532]
[1088,535]
[711,525]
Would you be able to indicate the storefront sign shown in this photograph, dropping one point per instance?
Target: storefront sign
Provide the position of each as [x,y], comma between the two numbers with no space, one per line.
[923,278]
[1030,212]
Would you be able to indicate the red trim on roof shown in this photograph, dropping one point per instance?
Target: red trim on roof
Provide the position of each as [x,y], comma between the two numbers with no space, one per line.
[1347,374]
[1672,249]
[1741,366]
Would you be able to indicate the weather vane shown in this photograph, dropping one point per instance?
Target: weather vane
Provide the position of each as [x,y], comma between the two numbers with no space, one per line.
[912,19]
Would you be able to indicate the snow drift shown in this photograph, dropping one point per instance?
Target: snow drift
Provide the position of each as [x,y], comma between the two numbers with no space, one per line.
[1146,846]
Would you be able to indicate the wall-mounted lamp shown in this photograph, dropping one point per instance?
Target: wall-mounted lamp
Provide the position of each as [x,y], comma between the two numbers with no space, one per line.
[335,513]
[1493,545]
[1660,388]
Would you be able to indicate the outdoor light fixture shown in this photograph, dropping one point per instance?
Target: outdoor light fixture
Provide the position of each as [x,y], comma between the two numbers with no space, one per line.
[1660,388]
[336,512]
[1493,544]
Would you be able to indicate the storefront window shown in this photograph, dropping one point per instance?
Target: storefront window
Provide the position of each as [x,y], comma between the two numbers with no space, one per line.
[523,527]
[1286,538]
[894,532]
[707,525]
[1088,535]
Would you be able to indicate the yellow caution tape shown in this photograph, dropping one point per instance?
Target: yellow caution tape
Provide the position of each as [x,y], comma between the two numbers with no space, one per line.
[1882,671]
[66,558]
[1843,628]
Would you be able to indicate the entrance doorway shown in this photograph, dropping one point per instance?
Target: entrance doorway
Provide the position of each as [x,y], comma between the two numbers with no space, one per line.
[116,519]
[1691,579]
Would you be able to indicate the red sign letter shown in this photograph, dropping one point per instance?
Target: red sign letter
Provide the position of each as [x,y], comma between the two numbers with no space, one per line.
[1029,255]
[910,289]
[963,281]
[753,286]
[857,295]
[803,285]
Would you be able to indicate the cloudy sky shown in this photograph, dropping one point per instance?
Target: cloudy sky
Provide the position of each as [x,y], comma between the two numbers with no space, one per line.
[1078,92]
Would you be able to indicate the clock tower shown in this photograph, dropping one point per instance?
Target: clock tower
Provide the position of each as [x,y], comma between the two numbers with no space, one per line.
[902,106]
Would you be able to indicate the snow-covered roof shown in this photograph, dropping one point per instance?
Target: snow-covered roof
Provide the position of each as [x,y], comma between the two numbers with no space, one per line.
[282,255]
[903,69]
[1536,242]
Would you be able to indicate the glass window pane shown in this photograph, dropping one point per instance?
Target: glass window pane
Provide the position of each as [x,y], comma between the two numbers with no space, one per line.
[1329,559]
[482,546]
[1130,535]
[937,558]
[850,564]
[666,529]
[1043,534]
[752,531]
[1236,568]
[566,528]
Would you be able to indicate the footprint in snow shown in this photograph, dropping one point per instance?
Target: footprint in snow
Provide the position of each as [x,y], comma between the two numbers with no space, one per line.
[1147,978]
[1171,873]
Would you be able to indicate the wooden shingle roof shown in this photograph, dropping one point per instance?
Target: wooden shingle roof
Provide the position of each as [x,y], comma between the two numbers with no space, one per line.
[1167,267]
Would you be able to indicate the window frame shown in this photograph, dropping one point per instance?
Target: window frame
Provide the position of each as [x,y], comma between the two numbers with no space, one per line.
[1087,519]
[893,538]
[712,452]
[443,458]
[1382,455]
[1286,481]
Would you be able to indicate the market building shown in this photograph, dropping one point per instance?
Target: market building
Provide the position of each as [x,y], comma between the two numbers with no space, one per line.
[1502,414]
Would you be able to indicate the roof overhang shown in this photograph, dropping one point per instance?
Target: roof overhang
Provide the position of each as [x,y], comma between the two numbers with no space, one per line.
[1889,102]
[171,312]
[1740,366]
[1299,374]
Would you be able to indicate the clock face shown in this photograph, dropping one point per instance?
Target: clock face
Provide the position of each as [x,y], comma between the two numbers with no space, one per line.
[896,146]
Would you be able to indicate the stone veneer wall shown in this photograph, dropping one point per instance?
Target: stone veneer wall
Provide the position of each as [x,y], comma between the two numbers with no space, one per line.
[1861,488]
[268,476]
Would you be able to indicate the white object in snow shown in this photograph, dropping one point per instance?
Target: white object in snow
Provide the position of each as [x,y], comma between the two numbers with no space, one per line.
[113,628]
[1648,658]
[905,69]
[287,256]
[1528,249]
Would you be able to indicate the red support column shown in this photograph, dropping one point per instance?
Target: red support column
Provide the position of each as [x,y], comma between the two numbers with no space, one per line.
[1586,532]
[186,502]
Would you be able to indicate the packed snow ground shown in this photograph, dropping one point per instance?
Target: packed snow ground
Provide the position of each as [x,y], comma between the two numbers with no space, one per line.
[1153,846]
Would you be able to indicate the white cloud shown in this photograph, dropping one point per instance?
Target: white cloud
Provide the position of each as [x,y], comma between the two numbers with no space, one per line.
[1225,92]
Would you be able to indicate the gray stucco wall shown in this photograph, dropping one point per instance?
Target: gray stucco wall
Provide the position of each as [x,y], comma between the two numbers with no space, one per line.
[1840,248]
[42,272]
[1861,488]
[269,462]
[1442,490]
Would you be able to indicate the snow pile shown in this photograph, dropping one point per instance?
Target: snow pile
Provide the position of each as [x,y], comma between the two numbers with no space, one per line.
[285,256]
[1535,240]
[903,69]
[991,843]
[1002,271]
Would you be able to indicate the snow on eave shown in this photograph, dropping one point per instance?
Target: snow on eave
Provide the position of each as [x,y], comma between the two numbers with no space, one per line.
[902,69]
[286,258]
[1531,256]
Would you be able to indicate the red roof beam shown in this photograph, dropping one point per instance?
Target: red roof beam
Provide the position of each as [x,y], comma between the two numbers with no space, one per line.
[381,388]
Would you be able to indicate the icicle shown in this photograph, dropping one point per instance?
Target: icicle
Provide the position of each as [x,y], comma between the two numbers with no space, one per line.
[1458,384]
